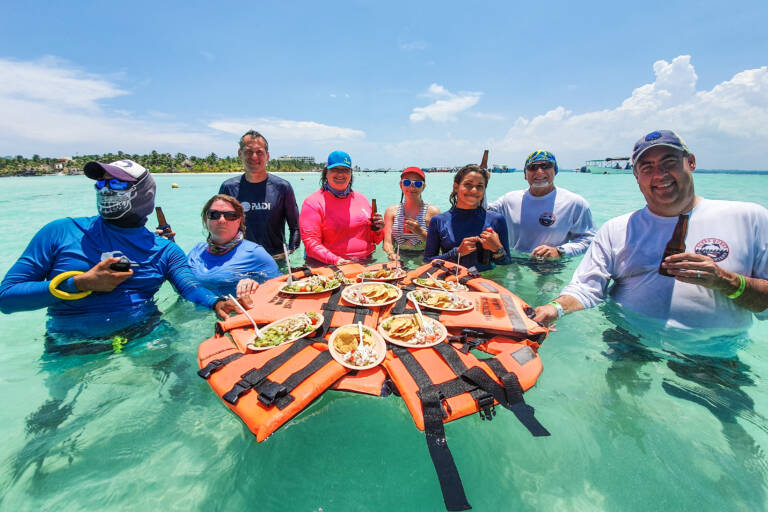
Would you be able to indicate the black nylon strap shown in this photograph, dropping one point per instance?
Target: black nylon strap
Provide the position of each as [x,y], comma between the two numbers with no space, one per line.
[218,364]
[450,356]
[300,376]
[431,408]
[442,459]
[254,377]
[279,393]
[513,398]
[360,312]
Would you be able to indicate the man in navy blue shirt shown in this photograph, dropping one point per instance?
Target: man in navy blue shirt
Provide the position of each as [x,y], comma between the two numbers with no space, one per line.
[268,201]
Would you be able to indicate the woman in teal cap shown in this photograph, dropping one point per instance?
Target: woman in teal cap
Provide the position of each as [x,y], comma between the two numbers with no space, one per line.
[337,224]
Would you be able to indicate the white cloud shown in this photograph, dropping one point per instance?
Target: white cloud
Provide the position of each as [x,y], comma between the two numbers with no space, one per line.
[51,108]
[489,116]
[287,130]
[50,81]
[446,106]
[727,126]
[210,57]
[410,46]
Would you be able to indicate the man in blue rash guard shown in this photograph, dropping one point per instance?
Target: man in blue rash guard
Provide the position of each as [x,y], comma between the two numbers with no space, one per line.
[467,229]
[100,301]
[268,200]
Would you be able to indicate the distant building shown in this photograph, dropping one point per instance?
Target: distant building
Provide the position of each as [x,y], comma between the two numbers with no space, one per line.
[61,162]
[302,159]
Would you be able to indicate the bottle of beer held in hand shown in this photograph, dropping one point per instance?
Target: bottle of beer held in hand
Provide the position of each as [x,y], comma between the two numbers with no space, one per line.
[374,227]
[676,244]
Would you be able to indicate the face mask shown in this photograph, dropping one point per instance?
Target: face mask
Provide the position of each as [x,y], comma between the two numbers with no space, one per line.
[130,207]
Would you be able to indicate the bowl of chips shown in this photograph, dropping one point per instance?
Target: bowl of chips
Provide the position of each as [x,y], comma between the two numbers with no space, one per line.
[371,294]
[344,346]
[408,331]
[384,274]
[442,301]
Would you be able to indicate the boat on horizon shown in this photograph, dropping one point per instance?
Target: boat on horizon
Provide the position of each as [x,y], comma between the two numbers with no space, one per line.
[611,165]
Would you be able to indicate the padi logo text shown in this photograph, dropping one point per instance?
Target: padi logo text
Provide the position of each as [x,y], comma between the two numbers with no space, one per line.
[713,247]
[256,206]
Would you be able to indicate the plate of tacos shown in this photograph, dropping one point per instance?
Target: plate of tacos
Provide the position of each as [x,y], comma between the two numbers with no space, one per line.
[442,301]
[384,274]
[408,331]
[345,347]
[371,294]
[438,284]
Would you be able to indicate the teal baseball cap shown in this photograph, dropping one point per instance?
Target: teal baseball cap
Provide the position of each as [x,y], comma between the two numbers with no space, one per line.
[339,159]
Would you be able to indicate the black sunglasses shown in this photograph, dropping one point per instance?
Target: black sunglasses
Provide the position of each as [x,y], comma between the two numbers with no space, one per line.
[216,215]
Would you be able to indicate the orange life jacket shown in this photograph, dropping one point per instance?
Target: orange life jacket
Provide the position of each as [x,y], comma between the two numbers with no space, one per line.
[266,389]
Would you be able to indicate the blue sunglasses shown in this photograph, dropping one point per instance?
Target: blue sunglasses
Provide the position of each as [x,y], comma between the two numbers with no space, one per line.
[113,184]
[415,183]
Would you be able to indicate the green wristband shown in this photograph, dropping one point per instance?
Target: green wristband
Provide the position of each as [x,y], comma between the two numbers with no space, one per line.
[740,290]
[559,308]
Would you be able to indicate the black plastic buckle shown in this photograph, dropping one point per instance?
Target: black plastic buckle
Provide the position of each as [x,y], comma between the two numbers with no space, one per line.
[486,409]
[210,368]
[270,391]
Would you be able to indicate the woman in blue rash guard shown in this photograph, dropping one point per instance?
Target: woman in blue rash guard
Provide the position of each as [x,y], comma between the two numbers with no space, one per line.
[467,229]
[226,263]
[69,266]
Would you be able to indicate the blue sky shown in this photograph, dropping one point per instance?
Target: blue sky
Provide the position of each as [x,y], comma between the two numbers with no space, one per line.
[392,83]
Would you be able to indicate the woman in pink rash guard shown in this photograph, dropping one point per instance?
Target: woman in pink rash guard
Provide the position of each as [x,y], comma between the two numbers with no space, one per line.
[335,222]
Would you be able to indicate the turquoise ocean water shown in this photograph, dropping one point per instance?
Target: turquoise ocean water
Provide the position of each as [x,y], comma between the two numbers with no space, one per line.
[633,428]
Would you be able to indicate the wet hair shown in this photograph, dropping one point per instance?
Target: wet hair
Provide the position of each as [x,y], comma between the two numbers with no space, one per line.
[324,178]
[253,134]
[462,173]
[229,200]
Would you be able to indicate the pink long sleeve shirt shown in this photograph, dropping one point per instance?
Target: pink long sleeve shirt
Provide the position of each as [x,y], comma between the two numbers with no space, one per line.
[333,228]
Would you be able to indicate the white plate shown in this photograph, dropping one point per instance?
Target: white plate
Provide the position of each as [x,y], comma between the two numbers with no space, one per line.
[411,298]
[379,345]
[442,333]
[319,323]
[346,294]
[458,286]
[306,293]
[397,276]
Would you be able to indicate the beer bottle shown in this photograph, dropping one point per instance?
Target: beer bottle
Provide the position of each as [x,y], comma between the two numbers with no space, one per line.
[373,212]
[676,244]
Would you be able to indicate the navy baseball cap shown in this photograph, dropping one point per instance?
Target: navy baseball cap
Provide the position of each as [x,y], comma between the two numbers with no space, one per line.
[339,159]
[658,138]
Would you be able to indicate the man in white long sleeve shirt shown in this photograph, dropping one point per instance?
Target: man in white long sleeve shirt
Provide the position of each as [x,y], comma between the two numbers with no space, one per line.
[717,282]
[547,221]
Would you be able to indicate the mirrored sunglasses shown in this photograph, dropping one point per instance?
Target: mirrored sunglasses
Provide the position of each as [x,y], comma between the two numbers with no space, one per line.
[412,183]
[113,184]
[216,215]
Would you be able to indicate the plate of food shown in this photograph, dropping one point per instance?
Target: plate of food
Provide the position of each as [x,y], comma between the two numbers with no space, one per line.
[345,347]
[438,284]
[443,301]
[310,285]
[286,330]
[408,331]
[371,294]
[384,274]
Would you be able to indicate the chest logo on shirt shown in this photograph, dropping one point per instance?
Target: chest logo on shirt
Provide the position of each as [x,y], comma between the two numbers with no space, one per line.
[713,247]
[547,219]
[256,206]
